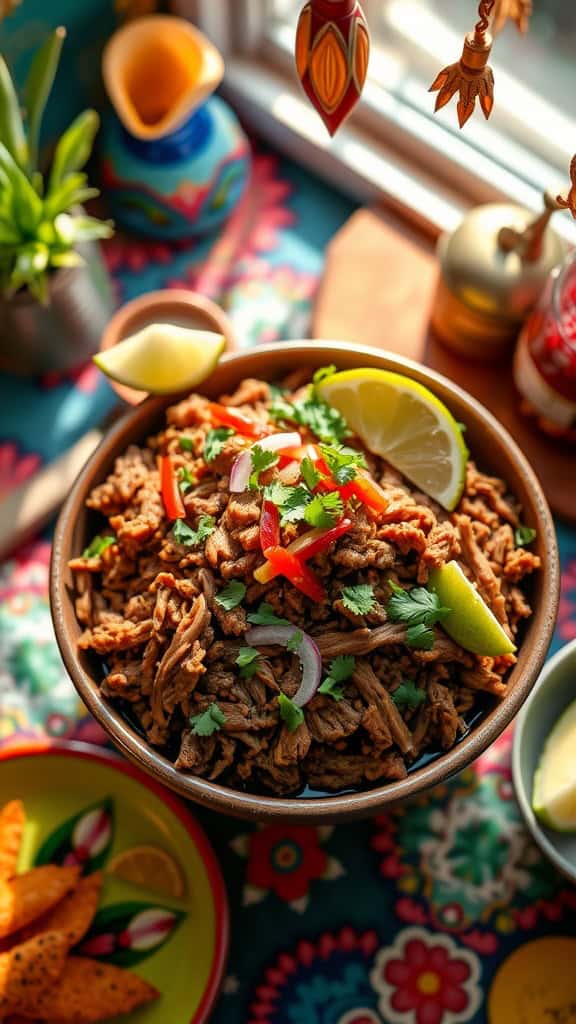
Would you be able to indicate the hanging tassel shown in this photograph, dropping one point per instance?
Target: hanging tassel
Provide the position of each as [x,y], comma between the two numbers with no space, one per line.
[518,11]
[332,50]
[569,203]
[471,77]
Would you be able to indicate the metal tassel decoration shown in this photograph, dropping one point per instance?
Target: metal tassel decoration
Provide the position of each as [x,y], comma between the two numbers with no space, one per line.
[332,51]
[471,77]
[518,11]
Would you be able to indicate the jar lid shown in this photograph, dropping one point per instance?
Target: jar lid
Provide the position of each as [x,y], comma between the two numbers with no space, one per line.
[488,279]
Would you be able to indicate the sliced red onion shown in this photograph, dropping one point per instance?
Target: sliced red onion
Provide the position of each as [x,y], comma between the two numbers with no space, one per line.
[308,655]
[242,467]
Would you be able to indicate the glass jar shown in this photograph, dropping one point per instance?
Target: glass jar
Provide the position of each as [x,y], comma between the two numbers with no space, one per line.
[545,359]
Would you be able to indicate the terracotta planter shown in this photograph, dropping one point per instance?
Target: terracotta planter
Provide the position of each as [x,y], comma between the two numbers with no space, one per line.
[38,339]
[171,306]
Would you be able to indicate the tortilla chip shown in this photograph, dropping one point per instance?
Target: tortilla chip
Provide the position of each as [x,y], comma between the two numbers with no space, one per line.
[12,821]
[73,915]
[90,991]
[27,896]
[30,970]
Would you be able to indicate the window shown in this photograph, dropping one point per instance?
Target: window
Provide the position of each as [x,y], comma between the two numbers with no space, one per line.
[525,147]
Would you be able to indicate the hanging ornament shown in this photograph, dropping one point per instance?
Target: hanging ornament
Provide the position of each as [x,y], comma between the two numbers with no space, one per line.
[471,77]
[570,202]
[332,50]
[518,11]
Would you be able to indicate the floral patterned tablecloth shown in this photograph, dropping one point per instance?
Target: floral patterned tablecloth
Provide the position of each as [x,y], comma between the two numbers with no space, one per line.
[437,913]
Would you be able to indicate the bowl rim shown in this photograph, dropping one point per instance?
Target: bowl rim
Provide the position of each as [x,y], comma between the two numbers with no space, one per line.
[353,804]
[536,830]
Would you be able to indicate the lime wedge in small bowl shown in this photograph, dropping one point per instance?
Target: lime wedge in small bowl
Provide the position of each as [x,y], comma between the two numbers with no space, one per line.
[404,423]
[162,358]
[554,795]
[470,622]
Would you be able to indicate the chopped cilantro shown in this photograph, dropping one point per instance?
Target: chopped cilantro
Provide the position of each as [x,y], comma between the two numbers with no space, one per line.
[247,661]
[341,669]
[215,441]
[266,616]
[295,641]
[294,508]
[232,595]
[277,492]
[420,636]
[208,721]
[186,443]
[415,607]
[342,462]
[323,373]
[277,390]
[310,474]
[186,479]
[261,460]
[359,599]
[324,421]
[524,535]
[184,534]
[98,545]
[408,695]
[324,510]
[292,715]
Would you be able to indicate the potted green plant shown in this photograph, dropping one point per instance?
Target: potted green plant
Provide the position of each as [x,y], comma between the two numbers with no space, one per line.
[55,294]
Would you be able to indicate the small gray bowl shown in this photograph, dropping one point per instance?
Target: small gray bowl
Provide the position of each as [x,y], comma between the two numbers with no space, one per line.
[554,691]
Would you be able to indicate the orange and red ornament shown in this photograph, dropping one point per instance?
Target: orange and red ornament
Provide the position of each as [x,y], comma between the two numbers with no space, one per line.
[332,51]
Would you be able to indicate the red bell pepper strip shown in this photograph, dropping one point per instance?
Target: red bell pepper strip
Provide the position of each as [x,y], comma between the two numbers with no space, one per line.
[269,526]
[306,546]
[170,490]
[226,417]
[288,565]
[368,492]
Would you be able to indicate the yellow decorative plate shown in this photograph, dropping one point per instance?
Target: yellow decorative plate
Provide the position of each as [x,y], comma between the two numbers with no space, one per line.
[86,806]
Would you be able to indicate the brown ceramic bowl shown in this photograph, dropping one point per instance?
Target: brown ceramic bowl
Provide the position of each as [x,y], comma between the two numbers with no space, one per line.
[168,306]
[493,449]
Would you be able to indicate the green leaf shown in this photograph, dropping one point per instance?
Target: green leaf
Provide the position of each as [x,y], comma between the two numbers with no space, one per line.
[330,688]
[341,669]
[359,599]
[66,259]
[294,642]
[417,606]
[90,229]
[39,86]
[294,508]
[98,545]
[215,441]
[524,535]
[324,510]
[247,661]
[291,714]
[232,595]
[72,192]
[186,479]
[31,261]
[324,421]
[184,534]
[186,443]
[26,204]
[408,695]
[74,147]
[277,492]
[310,474]
[9,235]
[342,462]
[266,616]
[209,721]
[11,127]
[420,636]
[261,461]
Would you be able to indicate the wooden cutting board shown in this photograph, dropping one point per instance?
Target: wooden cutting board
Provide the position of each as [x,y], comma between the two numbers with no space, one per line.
[378,288]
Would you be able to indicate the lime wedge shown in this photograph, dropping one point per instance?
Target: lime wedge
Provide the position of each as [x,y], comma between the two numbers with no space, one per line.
[554,795]
[470,622]
[162,358]
[404,423]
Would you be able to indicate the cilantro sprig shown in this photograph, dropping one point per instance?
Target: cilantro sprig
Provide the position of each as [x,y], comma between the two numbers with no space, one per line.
[342,462]
[215,441]
[231,595]
[186,443]
[247,661]
[310,411]
[310,474]
[419,609]
[524,535]
[209,721]
[324,510]
[98,545]
[266,616]
[291,714]
[184,534]
[261,461]
[341,668]
[186,479]
[408,696]
[359,599]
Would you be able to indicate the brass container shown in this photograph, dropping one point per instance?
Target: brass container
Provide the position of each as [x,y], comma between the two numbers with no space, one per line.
[492,271]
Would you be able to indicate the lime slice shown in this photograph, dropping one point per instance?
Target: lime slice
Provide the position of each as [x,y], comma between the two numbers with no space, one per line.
[150,868]
[403,422]
[554,795]
[162,358]
[470,622]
